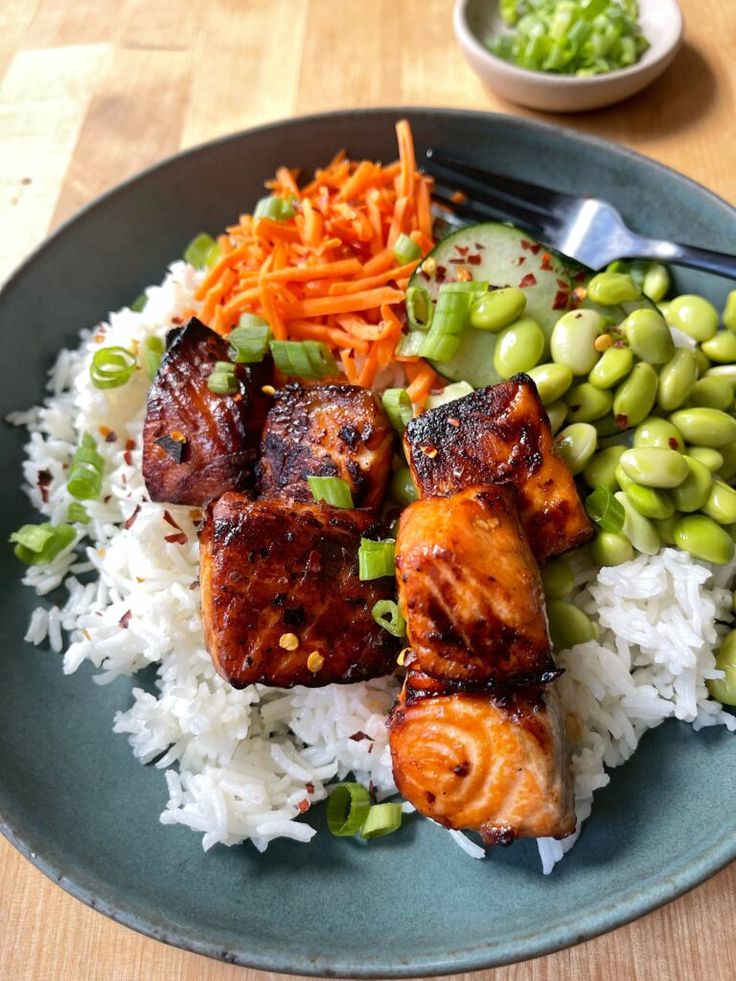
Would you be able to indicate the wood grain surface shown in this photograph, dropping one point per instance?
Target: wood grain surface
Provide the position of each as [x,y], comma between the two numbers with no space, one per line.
[95,90]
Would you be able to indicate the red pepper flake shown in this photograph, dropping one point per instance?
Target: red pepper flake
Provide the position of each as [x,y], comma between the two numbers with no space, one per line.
[310,788]
[131,520]
[474,260]
[673,443]
[170,521]
[535,247]
[303,806]
[622,421]
[111,437]
[525,244]
[521,260]
[194,584]
[529,280]
[462,249]
[563,284]
[177,321]
[359,736]
[546,262]
[453,422]
[128,457]
[125,619]
[130,444]
[482,248]
[177,539]
[42,482]
[440,274]
[456,262]
[425,275]
[561,300]
[580,276]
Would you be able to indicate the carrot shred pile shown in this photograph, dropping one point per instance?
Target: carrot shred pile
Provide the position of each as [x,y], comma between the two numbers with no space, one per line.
[329,273]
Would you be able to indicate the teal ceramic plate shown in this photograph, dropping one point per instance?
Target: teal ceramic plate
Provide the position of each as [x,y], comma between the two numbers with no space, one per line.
[77,804]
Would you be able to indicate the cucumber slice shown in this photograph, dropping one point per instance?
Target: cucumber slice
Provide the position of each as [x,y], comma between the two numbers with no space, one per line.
[505,256]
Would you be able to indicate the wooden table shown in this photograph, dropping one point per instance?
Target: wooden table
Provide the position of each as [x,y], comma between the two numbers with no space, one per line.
[95,90]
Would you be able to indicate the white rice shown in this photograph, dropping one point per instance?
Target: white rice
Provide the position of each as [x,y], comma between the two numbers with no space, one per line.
[246,765]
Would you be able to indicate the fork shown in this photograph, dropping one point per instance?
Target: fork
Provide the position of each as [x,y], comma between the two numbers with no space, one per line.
[587,229]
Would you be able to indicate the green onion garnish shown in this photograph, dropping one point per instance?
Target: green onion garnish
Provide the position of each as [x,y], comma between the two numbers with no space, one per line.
[249,340]
[153,350]
[406,250]
[397,405]
[223,380]
[419,308]
[448,323]
[441,347]
[275,208]
[85,471]
[305,359]
[139,303]
[603,508]
[376,559]
[331,490]
[201,251]
[382,819]
[387,614]
[77,512]
[347,808]
[40,544]
[411,344]
[112,367]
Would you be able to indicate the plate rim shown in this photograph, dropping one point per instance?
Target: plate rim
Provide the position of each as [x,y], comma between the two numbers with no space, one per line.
[648,898]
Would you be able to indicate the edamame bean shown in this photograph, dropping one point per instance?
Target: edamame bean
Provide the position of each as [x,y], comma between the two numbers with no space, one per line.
[704,539]
[664,309]
[693,315]
[402,488]
[497,309]
[610,288]
[710,458]
[725,371]
[614,365]
[713,392]
[693,492]
[656,283]
[705,427]
[600,471]
[622,478]
[666,528]
[654,466]
[660,433]
[649,336]
[677,379]
[724,689]
[519,347]
[721,503]
[557,413]
[606,427]
[569,626]
[727,470]
[552,381]
[576,444]
[558,578]
[639,530]
[587,403]
[650,502]
[573,340]
[721,348]
[702,362]
[729,311]
[610,549]
[634,397]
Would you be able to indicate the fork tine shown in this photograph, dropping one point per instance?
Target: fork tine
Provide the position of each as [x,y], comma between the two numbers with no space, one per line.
[533,195]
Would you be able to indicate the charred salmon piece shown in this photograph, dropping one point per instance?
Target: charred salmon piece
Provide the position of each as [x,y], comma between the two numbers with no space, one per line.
[472,762]
[470,590]
[282,603]
[330,431]
[197,444]
[501,434]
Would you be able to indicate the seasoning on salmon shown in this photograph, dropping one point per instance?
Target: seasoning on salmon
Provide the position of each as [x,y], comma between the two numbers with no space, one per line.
[474,762]
[326,431]
[470,590]
[282,603]
[198,444]
[503,436]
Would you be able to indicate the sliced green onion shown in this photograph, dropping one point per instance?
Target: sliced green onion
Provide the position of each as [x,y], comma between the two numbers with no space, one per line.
[411,344]
[306,359]
[275,208]
[448,323]
[331,490]
[382,819]
[397,405]
[153,351]
[442,347]
[77,512]
[406,250]
[112,367]
[213,254]
[376,559]
[419,308]
[603,508]
[223,381]
[199,250]
[249,343]
[347,808]
[387,614]
[85,471]
[139,303]
[40,544]
[449,393]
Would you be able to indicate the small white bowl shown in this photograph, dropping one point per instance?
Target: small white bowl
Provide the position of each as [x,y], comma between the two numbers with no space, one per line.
[476,21]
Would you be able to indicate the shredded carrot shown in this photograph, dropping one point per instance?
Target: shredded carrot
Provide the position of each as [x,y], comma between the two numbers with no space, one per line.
[329,273]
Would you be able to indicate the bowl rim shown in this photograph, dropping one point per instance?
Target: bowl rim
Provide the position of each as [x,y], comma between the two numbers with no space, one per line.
[469,39]
[608,918]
